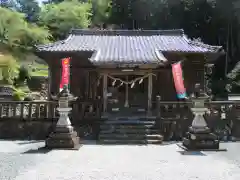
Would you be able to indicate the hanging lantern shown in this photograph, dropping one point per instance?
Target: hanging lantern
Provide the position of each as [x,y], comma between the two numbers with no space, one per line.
[114,82]
[132,85]
[141,80]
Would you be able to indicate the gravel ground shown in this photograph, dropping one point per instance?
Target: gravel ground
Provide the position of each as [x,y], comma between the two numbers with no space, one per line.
[20,160]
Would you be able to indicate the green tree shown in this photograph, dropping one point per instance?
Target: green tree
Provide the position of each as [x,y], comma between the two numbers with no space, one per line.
[62,17]
[30,8]
[18,35]
[8,67]
[8,3]
[101,11]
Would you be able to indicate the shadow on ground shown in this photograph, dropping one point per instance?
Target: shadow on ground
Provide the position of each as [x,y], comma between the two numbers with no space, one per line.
[41,150]
[192,153]
[31,142]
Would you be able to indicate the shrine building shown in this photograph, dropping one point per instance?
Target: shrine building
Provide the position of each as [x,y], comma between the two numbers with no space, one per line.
[127,69]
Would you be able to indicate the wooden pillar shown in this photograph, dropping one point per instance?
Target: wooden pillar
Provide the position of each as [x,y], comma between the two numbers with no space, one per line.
[95,85]
[126,93]
[149,93]
[105,92]
[90,85]
[87,85]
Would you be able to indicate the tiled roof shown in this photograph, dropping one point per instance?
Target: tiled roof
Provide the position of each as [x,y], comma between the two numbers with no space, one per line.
[128,46]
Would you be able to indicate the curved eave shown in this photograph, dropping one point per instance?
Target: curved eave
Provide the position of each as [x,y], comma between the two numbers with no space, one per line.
[44,53]
[220,50]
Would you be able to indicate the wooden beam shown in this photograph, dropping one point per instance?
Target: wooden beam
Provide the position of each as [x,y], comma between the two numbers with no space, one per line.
[126,104]
[105,93]
[135,71]
[149,94]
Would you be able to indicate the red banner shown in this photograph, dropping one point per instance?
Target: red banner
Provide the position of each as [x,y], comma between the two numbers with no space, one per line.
[65,73]
[178,80]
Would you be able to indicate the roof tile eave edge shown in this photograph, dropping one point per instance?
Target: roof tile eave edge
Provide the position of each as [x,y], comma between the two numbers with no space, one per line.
[193,52]
[60,51]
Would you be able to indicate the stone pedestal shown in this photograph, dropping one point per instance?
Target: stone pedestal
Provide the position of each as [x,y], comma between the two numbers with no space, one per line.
[64,135]
[199,136]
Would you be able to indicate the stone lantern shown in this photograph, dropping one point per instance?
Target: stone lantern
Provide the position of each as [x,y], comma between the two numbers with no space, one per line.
[199,135]
[64,135]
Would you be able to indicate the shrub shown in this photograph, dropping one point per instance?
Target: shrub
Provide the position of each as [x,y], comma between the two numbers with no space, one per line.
[18,95]
[23,75]
[28,98]
[8,66]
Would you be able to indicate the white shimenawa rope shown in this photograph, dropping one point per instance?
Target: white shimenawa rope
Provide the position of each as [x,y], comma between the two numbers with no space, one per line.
[132,81]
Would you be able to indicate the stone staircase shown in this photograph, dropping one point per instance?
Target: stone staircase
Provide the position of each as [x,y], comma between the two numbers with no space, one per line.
[129,131]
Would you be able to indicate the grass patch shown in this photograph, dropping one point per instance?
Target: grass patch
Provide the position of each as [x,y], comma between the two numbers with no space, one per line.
[36,69]
[43,73]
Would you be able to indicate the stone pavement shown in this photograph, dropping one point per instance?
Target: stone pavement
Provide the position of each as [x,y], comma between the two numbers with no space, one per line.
[19,160]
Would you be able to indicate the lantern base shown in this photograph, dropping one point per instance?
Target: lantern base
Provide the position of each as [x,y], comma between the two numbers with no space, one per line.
[64,137]
[197,139]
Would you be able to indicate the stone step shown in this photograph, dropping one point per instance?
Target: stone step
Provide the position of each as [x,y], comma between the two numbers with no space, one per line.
[127,122]
[134,118]
[121,126]
[127,130]
[143,142]
[131,136]
[131,130]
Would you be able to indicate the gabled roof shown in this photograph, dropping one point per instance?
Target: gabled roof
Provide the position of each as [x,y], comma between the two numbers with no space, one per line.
[128,46]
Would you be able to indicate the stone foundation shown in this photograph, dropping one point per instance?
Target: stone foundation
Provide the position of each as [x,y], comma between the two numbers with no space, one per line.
[200,140]
[63,138]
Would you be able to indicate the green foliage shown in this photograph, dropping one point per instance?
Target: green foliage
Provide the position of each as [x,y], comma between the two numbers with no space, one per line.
[234,79]
[101,11]
[23,75]
[61,18]
[28,98]
[8,67]
[18,35]
[30,8]
[8,3]
[18,95]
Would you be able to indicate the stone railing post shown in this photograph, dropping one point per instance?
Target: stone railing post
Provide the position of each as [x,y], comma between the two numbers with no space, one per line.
[199,135]
[64,135]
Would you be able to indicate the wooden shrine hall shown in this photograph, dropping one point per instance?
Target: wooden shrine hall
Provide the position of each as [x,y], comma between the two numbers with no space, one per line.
[127,69]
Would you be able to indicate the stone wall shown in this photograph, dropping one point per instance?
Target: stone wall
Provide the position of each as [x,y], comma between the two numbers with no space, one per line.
[39,129]
[29,130]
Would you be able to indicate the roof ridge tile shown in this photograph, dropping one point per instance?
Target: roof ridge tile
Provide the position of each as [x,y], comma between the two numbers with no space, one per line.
[124,32]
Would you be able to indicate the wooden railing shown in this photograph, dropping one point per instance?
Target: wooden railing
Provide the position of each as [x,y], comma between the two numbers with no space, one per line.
[37,110]
[223,117]
[28,110]
[173,118]
[86,109]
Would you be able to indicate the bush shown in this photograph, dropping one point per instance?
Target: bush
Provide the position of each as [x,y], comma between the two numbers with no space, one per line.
[28,98]
[18,95]
[35,83]
[23,75]
[8,66]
